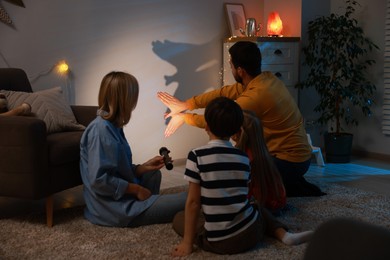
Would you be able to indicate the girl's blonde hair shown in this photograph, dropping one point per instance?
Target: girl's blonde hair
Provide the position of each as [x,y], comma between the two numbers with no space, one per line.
[264,174]
[118,96]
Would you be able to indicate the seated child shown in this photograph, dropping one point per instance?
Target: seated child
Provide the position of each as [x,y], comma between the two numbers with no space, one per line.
[266,184]
[218,175]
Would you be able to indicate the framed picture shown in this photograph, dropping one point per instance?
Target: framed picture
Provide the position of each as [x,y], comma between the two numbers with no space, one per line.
[236,18]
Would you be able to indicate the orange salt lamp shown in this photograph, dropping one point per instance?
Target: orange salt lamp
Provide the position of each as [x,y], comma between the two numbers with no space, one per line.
[275,25]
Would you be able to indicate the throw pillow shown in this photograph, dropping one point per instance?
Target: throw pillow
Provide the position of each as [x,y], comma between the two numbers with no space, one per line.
[48,105]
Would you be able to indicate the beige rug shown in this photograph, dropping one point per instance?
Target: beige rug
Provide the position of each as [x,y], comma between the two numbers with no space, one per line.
[27,237]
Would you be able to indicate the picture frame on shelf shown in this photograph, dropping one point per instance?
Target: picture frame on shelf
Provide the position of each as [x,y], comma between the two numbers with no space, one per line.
[235,15]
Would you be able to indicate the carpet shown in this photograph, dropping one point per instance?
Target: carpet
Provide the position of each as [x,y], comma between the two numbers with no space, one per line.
[378,183]
[72,237]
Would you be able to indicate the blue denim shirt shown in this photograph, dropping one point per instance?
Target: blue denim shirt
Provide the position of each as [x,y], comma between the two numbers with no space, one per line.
[106,169]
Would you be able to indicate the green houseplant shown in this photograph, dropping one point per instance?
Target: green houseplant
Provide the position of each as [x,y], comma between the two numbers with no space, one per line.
[336,56]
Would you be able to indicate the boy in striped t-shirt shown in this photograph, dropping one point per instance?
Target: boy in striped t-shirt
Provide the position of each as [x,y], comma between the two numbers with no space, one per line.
[218,175]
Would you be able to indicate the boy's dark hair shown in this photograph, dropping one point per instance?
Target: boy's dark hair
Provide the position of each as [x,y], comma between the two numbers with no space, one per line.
[246,55]
[224,117]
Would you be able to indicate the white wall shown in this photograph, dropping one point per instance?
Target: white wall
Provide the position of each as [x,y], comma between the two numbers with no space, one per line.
[308,98]
[170,45]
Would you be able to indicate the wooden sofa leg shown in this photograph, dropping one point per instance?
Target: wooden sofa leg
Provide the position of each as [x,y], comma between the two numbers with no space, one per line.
[49,211]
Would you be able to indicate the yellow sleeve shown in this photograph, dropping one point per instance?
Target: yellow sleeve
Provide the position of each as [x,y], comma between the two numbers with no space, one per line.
[202,100]
[195,120]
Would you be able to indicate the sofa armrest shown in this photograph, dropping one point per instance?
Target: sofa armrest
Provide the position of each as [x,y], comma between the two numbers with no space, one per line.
[84,114]
[22,143]
[23,155]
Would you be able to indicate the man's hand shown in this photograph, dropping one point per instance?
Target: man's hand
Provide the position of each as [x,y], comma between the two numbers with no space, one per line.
[175,105]
[176,121]
[182,249]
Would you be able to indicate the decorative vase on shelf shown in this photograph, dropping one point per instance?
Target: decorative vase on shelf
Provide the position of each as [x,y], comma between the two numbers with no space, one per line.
[251,28]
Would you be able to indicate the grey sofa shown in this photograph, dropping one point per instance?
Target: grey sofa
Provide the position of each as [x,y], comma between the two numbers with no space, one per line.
[35,164]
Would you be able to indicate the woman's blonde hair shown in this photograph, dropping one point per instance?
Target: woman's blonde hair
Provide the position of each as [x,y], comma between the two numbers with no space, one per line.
[264,174]
[118,96]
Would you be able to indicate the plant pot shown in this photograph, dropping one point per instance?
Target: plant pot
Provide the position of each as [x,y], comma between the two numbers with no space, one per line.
[338,147]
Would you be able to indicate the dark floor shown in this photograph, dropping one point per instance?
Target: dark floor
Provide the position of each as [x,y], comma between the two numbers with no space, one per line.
[364,174]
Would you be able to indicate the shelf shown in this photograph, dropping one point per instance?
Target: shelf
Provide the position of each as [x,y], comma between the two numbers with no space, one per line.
[263,39]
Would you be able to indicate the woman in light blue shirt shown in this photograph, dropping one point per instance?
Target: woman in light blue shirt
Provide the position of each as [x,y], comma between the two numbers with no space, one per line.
[116,191]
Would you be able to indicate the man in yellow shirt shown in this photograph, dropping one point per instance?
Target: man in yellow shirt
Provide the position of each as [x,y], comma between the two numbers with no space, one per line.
[267,96]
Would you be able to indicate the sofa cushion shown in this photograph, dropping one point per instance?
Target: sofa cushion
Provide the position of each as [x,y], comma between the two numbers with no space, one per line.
[64,147]
[49,105]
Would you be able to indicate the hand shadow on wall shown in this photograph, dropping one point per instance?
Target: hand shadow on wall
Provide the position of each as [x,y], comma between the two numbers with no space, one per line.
[193,64]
